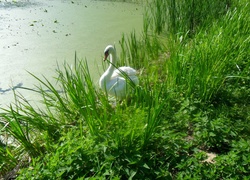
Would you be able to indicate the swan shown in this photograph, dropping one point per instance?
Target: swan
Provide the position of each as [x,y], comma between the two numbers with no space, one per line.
[117,81]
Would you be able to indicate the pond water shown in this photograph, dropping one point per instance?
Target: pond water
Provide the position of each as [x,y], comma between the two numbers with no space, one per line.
[36,35]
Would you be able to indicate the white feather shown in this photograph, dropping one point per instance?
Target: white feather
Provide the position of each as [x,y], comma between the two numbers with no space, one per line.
[116,81]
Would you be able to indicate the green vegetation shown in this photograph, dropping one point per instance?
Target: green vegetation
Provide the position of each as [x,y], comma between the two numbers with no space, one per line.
[188,119]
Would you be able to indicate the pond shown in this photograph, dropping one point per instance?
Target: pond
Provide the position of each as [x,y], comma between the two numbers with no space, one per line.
[36,35]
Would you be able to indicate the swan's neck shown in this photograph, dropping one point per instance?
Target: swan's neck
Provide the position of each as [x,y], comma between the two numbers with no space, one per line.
[111,67]
[106,77]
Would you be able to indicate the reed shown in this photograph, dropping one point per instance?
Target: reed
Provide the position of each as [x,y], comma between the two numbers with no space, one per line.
[184,16]
[201,66]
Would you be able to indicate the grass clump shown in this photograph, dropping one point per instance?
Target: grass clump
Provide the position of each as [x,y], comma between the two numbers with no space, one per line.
[188,119]
[184,17]
[81,120]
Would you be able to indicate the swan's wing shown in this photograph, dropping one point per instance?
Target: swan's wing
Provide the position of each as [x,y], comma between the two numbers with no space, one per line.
[134,79]
[128,70]
[117,87]
[117,84]
[131,73]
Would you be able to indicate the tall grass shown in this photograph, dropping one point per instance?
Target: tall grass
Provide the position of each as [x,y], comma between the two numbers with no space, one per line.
[201,66]
[132,47]
[179,17]
[77,104]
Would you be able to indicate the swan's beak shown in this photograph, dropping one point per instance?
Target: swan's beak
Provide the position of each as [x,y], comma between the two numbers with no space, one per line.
[105,58]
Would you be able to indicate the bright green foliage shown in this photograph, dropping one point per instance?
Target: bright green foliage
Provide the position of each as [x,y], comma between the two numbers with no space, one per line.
[185,16]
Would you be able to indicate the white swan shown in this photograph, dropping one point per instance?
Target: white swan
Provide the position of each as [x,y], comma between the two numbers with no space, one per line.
[117,82]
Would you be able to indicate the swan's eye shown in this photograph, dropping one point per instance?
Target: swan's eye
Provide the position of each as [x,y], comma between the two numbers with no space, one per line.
[106,53]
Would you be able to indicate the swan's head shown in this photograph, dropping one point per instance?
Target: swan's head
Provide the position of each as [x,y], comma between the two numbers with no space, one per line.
[108,50]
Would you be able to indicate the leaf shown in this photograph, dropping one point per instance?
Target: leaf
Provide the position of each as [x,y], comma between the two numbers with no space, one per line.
[146,166]
[132,174]
[212,134]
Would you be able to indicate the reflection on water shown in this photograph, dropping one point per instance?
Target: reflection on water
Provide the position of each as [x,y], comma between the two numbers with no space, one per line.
[2,91]
[36,35]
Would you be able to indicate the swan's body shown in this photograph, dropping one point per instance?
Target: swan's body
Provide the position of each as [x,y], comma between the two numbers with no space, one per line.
[117,82]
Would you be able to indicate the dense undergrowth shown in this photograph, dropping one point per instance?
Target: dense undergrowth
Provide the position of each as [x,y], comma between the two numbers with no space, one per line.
[188,119]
